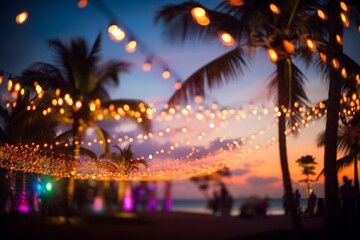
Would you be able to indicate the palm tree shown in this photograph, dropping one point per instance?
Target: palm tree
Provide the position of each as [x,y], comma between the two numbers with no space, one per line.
[125,163]
[348,143]
[335,51]
[78,84]
[20,127]
[307,163]
[254,25]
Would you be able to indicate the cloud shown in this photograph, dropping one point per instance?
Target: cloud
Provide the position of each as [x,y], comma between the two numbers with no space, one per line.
[261,181]
[239,172]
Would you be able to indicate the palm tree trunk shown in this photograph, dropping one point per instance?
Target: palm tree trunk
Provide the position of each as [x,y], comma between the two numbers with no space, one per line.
[4,190]
[282,101]
[356,183]
[330,172]
[69,211]
[309,190]
[121,193]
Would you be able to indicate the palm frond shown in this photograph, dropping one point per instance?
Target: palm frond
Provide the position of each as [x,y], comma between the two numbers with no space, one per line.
[341,163]
[47,75]
[227,68]
[107,72]
[104,136]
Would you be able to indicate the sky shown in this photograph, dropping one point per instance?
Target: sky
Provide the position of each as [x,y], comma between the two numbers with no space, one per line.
[255,165]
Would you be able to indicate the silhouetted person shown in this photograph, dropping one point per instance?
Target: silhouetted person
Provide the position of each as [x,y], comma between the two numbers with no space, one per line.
[285,205]
[320,207]
[225,200]
[215,203]
[262,207]
[297,199]
[347,198]
[311,204]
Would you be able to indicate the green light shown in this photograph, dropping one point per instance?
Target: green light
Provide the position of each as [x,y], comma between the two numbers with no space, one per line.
[49,186]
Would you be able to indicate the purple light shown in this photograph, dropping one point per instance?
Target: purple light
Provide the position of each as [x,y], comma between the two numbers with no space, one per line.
[128,201]
[36,202]
[152,186]
[98,204]
[24,208]
[168,204]
[24,204]
[152,204]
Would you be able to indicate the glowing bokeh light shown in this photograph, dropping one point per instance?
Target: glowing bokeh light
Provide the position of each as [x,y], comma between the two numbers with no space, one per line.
[22,17]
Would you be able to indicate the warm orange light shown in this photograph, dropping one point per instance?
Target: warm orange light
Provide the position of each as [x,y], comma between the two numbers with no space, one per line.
[344,6]
[311,45]
[9,84]
[92,106]
[236,2]
[289,46]
[339,39]
[335,63]
[199,15]
[116,33]
[322,56]
[198,99]
[166,74]
[272,55]
[203,21]
[226,38]
[344,19]
[17,87]
[322,15]
[22,17]
[198,12]
[131,46]
[343,72]
[147,65]
[358,27]
[275,9]
[82,3]
[357,77]
[1,78]
[177,85]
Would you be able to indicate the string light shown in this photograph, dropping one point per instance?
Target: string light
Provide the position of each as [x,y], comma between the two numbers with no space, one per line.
[275,9]
[272,55]
[343,6]
[22,17]
[82,3]
[116,33]
[322,15]
[147,65]
[311,45]
[289,46]
[131,46]
[166,74]
[344,19]
[226,38]
[199,16]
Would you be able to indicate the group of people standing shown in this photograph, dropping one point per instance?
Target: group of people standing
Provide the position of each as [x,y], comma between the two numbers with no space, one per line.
[315,205]
[222,201]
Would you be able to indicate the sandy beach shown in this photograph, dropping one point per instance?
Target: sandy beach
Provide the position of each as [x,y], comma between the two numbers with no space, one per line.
[175,225]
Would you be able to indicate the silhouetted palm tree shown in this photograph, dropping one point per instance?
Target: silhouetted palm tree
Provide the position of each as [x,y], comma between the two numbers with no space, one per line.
[20,127]
[283,28]
[124,163]
[307,163]
[348,142]
[79,79]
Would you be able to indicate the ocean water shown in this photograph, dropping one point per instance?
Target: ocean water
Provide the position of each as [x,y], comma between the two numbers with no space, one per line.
[200,206]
